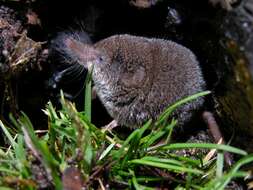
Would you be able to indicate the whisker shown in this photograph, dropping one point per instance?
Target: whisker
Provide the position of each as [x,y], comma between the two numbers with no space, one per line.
[74,74]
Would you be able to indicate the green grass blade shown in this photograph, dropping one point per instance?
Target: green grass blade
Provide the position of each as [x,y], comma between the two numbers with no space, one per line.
[106,151]
[141,160]
[169,167]
[7,134]
[42,148]
[6,188]
[149,179]
[123,149]
[50,112]
[186,159]
[158,134]
[67,132]
[88,94]
[172,125]
[234,170]
[20,154]
[219,164]
[163,160]
[51,164]
[134,146]
[188,99]
[136,185]
[205,145]
[9,171]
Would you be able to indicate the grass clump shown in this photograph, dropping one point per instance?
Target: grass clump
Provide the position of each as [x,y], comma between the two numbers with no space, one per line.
[75,153]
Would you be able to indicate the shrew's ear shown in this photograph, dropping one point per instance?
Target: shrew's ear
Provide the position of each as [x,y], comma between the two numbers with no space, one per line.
[134,79]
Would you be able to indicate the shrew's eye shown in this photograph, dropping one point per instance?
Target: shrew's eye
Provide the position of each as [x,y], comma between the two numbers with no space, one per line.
[130,68]
[101,58]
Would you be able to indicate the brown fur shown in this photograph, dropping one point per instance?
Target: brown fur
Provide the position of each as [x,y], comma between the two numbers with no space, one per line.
[137,78]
